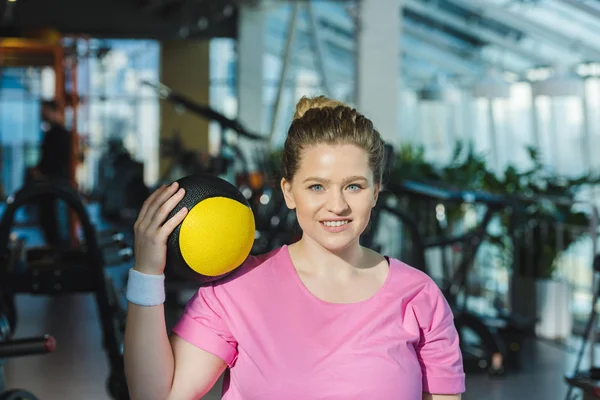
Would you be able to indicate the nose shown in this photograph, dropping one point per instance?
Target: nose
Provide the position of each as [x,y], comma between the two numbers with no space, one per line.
[336,203]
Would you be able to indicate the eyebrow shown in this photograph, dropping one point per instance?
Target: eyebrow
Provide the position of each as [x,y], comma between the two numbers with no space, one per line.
[346,180]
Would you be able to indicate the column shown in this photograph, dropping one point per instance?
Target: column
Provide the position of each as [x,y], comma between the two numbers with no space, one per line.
[185,69]
[251,50]
[378,28]
[378,64]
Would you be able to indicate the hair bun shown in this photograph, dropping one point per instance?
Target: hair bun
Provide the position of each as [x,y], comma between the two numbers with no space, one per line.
[307,103]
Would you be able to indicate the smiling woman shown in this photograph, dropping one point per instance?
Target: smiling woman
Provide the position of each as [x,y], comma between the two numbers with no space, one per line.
[322,318]
[335,191]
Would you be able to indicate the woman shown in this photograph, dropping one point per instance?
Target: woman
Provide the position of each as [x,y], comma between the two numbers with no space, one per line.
[323,318]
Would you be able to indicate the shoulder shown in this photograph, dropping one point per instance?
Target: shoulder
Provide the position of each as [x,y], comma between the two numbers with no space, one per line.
[254,270]
[247,285]
[406,275]
[417,289]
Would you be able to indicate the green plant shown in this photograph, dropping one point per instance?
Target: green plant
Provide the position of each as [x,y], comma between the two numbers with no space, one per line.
[530,236]
[545,229]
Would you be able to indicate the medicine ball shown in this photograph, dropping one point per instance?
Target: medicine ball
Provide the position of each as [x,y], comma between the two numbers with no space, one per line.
[216,235]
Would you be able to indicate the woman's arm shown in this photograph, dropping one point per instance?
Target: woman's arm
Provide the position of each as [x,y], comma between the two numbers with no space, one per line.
[429,396]
[159,368]
[438,351]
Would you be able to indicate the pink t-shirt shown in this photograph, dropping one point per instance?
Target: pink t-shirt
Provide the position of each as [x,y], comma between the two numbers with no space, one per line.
[282,342]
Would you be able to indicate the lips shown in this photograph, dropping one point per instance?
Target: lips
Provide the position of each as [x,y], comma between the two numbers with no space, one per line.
[335,223]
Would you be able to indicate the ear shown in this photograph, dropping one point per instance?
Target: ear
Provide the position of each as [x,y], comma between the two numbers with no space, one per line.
[376,190]
[286,188]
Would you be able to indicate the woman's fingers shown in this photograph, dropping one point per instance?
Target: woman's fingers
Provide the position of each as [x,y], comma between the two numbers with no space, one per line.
[163,211]
[147,203]
[156,203]
[172,223]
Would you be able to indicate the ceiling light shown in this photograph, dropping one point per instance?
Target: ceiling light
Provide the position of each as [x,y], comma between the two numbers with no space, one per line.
[562,83]
[434,90]
[492,86]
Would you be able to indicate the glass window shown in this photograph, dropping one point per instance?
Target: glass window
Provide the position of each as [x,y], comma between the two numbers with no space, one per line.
[116,103]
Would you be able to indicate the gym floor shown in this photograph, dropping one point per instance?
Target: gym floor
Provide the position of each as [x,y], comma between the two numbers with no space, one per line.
[78,369]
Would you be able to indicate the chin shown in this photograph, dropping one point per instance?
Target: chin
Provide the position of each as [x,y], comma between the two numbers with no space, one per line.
[335,244]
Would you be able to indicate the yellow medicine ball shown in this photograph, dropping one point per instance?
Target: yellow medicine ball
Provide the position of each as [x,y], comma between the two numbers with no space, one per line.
[216,235]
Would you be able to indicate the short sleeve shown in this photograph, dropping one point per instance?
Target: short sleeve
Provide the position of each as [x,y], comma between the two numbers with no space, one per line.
[202,324]
[438,350]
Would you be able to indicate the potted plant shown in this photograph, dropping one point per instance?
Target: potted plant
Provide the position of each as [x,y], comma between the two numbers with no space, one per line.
[535,236]
[532,235]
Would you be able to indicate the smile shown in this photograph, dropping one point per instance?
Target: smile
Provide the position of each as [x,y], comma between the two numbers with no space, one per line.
[335,223]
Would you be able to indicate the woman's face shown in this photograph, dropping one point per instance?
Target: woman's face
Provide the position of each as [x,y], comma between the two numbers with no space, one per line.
[333,193]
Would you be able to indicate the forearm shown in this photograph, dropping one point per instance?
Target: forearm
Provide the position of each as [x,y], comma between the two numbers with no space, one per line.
[149,361]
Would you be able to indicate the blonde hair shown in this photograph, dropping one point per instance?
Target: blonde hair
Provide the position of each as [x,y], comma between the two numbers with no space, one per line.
[320,120]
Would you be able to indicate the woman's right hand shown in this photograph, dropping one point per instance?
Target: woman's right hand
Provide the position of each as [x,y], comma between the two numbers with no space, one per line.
[152,231]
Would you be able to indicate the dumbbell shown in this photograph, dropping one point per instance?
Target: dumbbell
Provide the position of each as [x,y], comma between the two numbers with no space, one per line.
[118,256]
[110,238]
[27,346]
[114,248]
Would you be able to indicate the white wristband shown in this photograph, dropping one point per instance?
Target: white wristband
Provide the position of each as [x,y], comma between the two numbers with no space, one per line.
[145,289]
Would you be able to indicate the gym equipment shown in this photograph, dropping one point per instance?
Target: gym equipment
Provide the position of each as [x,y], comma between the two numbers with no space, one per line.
[216,235]
[482,348]
[183,161]
[17,394]
[27,346]
[488,344]
[47,271]
[121,186]
[7,301]
[588,381]
[166,93]
[21,348]
[229,154]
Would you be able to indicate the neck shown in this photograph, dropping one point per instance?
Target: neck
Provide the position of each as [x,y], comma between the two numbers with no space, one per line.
[323,261]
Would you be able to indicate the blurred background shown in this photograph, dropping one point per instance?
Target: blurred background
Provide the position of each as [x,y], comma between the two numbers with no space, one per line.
[490,109]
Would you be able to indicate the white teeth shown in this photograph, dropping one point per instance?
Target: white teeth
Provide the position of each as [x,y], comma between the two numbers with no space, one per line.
[335,223]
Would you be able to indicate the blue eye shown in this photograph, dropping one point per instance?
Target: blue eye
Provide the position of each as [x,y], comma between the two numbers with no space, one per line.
[354,187]
[316,188]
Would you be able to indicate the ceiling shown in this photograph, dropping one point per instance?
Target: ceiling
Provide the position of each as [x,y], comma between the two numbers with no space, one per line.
[459,39]
[150,19]
[462,41]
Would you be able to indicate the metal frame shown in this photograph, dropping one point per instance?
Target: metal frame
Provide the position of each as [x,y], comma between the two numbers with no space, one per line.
[584,7]
[432,50]
[318,47]
[289,44]
[588,50]
[432,11]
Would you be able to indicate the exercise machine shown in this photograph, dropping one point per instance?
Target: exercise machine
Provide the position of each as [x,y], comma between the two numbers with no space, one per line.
[22,347]
[230,162]
[588,381]
[121,188]
[488,344]
[483,348]
[81,269]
